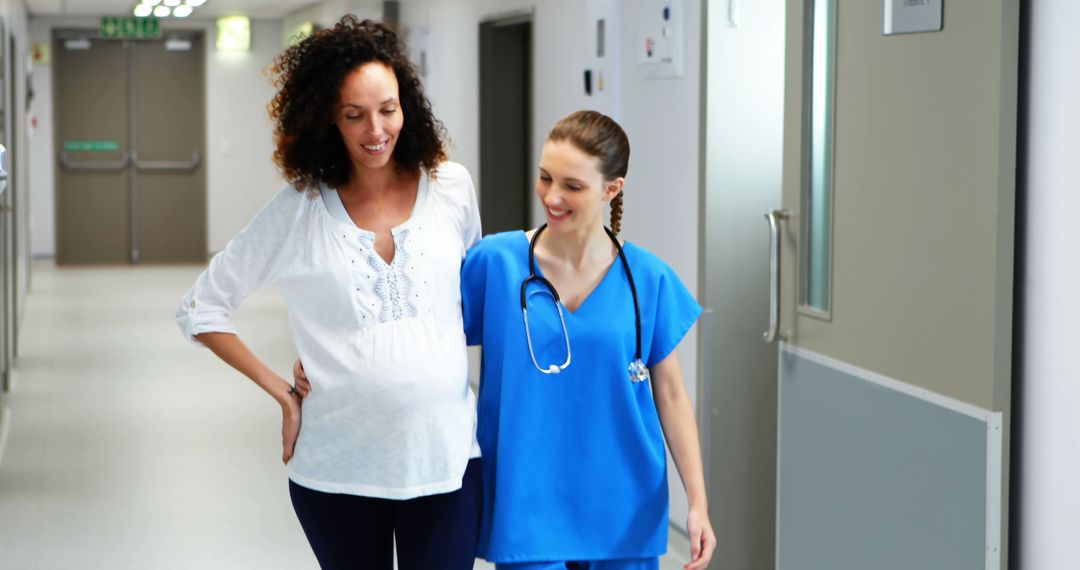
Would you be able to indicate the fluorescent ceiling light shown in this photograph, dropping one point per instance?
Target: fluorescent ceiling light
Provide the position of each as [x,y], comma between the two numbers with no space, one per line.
[182,11]
[195,3]
[162,12]
[233,33]
[143,10]
[151,3]
[172,3]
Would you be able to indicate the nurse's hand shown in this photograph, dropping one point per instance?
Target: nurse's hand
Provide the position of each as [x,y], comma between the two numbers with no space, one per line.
[300,379]
[290,427]
[702,539]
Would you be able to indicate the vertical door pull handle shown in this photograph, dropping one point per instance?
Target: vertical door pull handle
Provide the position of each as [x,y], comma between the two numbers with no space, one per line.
[774,217]
[3,174]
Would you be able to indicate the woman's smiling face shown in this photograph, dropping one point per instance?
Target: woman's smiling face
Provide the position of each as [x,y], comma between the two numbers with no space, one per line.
[369,115]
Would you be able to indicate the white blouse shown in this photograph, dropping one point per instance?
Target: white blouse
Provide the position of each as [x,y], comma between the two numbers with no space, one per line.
[391,413]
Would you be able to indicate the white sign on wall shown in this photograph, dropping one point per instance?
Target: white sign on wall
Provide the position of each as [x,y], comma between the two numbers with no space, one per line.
[910,16]
[660,38]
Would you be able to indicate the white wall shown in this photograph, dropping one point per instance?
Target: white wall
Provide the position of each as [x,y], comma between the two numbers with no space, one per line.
[42,195]
[324,14]
[17,26]
[239,168]
[661,117]
[240,174]
[1050,443]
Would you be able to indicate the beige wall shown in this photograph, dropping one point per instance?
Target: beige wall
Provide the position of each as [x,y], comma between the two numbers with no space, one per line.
[923,198]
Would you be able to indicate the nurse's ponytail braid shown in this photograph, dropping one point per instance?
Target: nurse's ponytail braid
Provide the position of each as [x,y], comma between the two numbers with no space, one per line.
[616,213]
[598,135]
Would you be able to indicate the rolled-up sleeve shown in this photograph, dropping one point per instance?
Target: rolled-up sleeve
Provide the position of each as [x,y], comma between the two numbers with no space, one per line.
[250,261]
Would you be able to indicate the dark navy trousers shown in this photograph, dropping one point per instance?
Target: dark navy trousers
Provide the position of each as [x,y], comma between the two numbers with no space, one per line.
[348,532]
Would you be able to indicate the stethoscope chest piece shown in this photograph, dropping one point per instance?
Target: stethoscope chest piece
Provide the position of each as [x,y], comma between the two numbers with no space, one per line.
[638,371]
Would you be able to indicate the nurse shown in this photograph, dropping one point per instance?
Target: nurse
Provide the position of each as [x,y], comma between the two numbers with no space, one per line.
[580,383]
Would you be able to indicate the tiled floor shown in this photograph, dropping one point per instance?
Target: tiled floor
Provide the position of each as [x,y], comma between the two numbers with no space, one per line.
[128,448]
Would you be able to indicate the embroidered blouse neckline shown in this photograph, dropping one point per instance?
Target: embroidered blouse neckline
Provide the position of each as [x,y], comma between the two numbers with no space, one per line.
[336,209]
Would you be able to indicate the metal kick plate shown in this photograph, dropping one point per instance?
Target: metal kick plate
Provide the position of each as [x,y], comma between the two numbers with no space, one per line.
[910,16]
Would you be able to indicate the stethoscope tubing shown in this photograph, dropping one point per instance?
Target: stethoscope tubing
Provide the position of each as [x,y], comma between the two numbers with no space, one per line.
[533,277]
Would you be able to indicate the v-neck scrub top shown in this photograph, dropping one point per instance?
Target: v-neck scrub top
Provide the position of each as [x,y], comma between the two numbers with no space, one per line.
[391,414]
[574,463]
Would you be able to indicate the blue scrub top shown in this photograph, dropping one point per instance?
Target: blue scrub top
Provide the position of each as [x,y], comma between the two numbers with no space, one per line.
[574,463]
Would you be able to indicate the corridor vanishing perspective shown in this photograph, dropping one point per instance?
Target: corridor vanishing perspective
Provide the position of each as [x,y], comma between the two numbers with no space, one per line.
[129,448]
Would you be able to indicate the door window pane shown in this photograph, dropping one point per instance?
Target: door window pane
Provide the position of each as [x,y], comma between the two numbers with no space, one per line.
[817,194]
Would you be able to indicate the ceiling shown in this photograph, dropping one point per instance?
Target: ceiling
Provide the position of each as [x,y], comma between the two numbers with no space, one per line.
[211,9]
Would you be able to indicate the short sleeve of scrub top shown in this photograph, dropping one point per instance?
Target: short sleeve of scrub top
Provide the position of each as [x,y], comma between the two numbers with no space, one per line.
[574,463]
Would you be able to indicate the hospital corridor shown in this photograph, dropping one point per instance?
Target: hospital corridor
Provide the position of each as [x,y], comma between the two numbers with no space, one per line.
[745,284]
[127,450]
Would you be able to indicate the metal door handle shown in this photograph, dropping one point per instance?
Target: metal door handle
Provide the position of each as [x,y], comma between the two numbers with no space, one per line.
[168,164]
[69,164]
[3,168]
[774,217]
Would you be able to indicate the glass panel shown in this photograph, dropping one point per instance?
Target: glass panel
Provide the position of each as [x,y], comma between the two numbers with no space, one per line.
[817,200]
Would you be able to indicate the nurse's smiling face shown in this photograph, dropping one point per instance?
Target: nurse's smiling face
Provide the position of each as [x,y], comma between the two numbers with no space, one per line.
[572,188]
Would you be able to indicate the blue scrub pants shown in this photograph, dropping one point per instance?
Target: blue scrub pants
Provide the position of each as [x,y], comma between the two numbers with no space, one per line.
[348,532]
[622,564]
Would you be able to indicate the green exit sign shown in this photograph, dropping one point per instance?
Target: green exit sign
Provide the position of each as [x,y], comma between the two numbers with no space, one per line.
[130,28]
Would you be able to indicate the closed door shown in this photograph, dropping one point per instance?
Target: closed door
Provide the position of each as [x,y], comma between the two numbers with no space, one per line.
[895,299]
[743,159]
[130,146]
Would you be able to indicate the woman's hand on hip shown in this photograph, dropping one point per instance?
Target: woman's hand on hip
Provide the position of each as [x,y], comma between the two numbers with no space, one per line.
[702,539]
[303,387]
[290,427]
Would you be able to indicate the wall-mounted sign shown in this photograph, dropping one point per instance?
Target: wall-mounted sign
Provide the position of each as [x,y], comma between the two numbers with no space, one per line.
[660,38]
[910,16]
[41,53]
[130,28]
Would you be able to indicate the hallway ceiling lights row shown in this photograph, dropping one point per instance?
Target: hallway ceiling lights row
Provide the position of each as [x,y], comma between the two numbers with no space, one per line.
[166,8]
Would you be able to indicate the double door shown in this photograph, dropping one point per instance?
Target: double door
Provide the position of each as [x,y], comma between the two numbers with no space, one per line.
[130,148]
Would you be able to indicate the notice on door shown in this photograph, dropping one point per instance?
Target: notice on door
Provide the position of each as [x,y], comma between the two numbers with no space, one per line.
[91,146]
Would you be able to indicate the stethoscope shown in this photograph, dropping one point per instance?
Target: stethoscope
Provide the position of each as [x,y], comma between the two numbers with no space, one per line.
[637,369]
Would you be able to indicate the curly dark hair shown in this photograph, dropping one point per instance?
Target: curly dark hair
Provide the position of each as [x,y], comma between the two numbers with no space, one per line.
[308,77]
